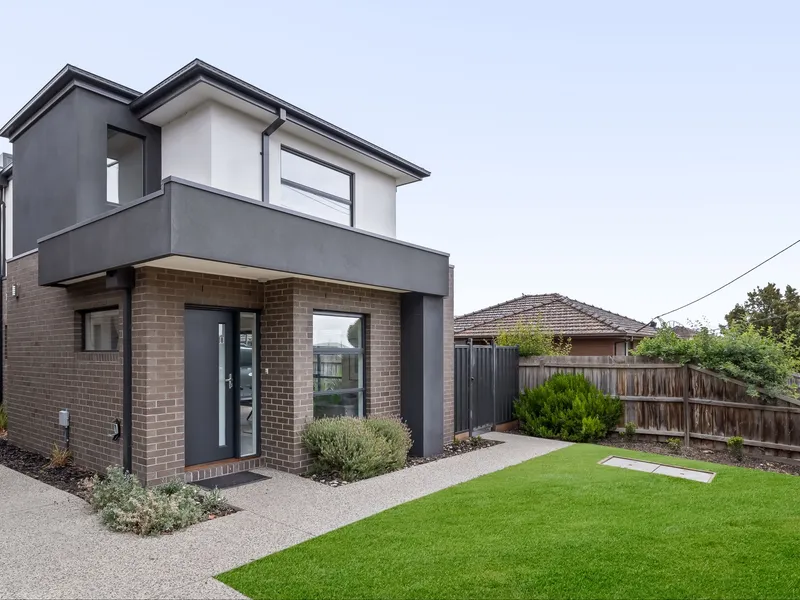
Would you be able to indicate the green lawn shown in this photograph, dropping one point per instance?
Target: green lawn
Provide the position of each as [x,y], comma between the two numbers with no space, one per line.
[558,526]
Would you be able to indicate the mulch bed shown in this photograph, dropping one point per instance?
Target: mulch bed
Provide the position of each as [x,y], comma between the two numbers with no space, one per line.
[454,449]
[762,463]
[35,465]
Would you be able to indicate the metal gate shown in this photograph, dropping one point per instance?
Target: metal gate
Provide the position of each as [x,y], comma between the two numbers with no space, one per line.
[486,385]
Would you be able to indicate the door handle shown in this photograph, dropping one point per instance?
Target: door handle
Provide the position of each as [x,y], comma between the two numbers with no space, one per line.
[229,381]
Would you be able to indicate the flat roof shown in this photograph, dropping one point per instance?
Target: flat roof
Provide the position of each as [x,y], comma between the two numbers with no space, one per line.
[197,71]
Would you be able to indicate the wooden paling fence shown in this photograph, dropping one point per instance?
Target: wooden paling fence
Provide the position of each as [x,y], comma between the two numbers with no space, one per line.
[661,398]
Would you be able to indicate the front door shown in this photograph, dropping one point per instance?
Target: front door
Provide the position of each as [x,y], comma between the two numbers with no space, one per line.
[209,386]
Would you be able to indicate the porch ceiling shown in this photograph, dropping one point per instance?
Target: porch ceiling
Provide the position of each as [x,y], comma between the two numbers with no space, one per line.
[196,265]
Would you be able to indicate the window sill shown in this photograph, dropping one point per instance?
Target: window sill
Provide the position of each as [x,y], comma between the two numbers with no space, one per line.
[98,356]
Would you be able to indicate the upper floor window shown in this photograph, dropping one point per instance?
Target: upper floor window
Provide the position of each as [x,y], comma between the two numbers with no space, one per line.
[311,186]
[124,167]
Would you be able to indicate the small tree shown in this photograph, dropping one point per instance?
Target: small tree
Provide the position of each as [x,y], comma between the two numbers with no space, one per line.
[532,340]
[741,352]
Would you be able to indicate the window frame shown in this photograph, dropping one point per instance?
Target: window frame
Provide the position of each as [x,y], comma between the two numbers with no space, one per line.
[143,141]
[324,350]
[84,313]
[351,204]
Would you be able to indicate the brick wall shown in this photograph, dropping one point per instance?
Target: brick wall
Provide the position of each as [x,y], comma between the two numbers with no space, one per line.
[287,343]
[593,347]
[449,364]
[46,371]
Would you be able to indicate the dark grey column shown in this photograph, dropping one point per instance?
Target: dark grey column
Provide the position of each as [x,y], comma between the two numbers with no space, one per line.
[422,371]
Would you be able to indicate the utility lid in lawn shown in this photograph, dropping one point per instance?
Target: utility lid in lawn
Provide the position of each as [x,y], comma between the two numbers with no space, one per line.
[658,469]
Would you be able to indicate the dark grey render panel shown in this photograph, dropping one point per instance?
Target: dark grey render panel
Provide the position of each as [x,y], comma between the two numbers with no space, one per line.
[126,236]
[95,114]
[188,220]
[46,176]
[422,371]
[228,229]
[60,164]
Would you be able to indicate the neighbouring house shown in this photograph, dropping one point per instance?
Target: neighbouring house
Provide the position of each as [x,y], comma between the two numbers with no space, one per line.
[593,331]
[683,332]
[193,273]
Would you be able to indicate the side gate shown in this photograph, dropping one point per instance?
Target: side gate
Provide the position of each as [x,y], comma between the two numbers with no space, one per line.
[486,385]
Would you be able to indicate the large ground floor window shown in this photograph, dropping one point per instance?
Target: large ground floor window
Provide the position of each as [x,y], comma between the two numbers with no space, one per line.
[338,365]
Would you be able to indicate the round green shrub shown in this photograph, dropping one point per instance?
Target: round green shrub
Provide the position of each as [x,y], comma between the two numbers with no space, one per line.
[352,448]
[567,407]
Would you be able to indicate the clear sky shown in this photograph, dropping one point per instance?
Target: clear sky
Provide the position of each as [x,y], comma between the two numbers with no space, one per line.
[632,155]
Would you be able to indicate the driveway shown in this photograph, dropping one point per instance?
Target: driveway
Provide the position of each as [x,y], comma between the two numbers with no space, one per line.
[53,546]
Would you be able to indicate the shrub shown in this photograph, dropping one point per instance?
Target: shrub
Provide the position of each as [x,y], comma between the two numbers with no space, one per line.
[59,457]
[532,340]
[3,418]
[397,435]
[675,444]
[567,407]
[736,447]
[741,352]
[113,489]
[629,433]
[592,428]
[352,448]
[124,505]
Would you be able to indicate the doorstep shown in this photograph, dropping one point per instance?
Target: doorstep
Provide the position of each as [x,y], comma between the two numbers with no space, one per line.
[223,467]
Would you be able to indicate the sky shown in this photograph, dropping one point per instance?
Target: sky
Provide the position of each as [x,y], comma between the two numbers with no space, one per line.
[630,155]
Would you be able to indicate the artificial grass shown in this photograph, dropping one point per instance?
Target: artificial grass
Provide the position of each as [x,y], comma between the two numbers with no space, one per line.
[558,526]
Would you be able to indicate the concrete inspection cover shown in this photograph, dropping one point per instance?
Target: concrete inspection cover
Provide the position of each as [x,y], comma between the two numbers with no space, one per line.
[658,468]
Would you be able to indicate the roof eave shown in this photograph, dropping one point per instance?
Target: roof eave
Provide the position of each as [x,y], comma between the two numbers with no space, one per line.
[65,80]
[197,70]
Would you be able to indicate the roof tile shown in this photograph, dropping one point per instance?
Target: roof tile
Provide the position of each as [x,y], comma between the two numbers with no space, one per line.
[556,313]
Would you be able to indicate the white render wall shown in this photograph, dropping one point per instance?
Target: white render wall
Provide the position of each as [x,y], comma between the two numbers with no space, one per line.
[186,146]
[235,152]
[220,147]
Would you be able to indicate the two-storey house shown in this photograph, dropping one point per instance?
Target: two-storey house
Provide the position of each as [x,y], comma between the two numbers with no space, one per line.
[194,273]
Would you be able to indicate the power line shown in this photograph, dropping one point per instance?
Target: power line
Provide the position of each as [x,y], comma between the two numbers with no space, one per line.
[725,285]
[320,201]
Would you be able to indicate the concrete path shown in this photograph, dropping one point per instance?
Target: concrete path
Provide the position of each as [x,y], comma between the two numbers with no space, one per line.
[52,546]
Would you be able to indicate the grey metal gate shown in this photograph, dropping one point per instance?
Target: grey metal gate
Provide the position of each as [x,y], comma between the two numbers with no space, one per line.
[486,385]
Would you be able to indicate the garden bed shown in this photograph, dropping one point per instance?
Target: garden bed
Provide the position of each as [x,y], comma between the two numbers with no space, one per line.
[722,457]
[68,478]
[454,449]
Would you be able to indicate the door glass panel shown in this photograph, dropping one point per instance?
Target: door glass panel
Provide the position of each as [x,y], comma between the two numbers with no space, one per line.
[248,382]
[222,391]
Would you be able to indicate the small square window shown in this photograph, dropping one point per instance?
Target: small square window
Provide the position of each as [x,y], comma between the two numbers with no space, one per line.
[101,331]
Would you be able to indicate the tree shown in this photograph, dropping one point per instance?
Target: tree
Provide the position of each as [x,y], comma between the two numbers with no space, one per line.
[770,312]
[532,340]
[739,351]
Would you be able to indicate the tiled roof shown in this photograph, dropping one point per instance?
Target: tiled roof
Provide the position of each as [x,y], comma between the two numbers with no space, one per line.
[554,312]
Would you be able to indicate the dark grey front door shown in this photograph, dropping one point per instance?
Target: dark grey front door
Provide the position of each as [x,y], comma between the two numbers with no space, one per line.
[209,385]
